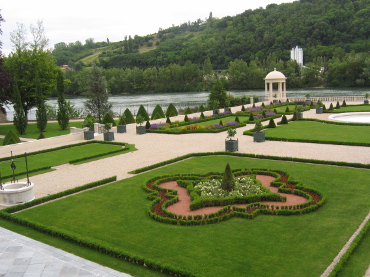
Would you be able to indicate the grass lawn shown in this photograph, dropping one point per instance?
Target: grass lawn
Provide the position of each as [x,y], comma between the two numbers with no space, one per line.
[52,129]
[311,130]
[352,108]
[115,215]
[224,120]
[60,156]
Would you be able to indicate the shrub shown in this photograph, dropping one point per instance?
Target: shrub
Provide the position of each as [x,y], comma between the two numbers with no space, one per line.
[139,119]
[201,109]
[243,108]
[271,123]
[143,112]
[337,106]
[11,138]
[129,117]
[122,120]
[221,123]
[89,122]
[295,116]
[41,136]
[251,117]
[344,104]
[158,112]
[263,113]
[331,107]
[147,125]
[171,110]
[168,120]
[108,118]
[237,119]
[188,111]
[202,115]
[228,182]
[186,119]
[284,120]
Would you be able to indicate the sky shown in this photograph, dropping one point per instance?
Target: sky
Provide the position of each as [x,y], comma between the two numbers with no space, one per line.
[70,21]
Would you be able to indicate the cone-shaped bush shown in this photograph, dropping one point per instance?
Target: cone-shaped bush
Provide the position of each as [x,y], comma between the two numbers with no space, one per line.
[295,116]
[331,107]
[287,109]
[147,125]
[344,104]
[228,181]
[171,110]
[243,108]
[263,104]
[221,123]
[284,120]
[168,120]
[271,124]
[122,120]
[275,111]
[186,119]
[129,117]
[108,118]
[323,107]
[201,109]
[237,119]
[251,117]
[142,111]
[263,113]
[188,111]
[11,138]
[202,115]
[157,116]
[158,110]
[337,106]
[41,136]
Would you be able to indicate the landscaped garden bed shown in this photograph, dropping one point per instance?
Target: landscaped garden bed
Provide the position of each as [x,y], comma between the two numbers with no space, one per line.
[129,237]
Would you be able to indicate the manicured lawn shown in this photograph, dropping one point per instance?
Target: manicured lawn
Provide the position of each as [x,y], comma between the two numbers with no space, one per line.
[115,215]
[224,120]
[353,108]
[59,157]
[311,130]
[52,129]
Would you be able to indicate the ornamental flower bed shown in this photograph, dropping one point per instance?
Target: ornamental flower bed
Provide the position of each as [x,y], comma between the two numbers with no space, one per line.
[243,186]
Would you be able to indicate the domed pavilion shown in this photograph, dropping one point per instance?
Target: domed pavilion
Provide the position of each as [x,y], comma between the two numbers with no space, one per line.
[272,78]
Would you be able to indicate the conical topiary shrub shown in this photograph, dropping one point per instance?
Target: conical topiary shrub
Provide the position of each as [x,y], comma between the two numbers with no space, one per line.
[201,109]
[108,118]
[188,111]
[287,109]
[271,124]
[237,119]
[11,138]
[337,106]
[142,111]
[171,110]
[202,115]
[251,118]
[228,181]
[168,120]
[243,108]
[129,117]
[158,111]
[186,119]
[284,120]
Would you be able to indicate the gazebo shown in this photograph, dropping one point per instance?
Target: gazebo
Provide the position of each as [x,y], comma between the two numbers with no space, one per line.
[271,78]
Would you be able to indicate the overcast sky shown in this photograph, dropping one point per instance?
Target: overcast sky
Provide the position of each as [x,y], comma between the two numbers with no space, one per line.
[69,21]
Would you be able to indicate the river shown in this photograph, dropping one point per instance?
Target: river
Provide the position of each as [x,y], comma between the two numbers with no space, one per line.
[184,99]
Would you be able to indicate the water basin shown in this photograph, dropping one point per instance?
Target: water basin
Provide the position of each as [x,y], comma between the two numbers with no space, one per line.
[357,117]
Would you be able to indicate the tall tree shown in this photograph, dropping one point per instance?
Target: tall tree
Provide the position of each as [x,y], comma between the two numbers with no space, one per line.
[97,94]
[62,115]
[19,118]
[218,93]
[41,116]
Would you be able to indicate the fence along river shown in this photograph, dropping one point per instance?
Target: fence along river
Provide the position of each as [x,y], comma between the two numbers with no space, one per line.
[191,99]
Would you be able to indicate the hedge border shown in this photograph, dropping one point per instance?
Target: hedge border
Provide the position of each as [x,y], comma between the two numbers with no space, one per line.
[253,208]
[246,155]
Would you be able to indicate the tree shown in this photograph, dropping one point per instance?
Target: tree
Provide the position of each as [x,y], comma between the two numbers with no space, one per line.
[28,60]
[97,95]
[218,93]
[207,69]
[228,181]
[4,75]
[19,119]
[41,109]
[62,115]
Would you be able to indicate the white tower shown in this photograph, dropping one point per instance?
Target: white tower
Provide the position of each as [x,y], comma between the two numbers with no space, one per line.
[297,55]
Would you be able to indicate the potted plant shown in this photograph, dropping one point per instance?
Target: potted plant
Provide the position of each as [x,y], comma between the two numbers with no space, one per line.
[230,143]
[366,96]
[258,134]
[319,108]
[140,129]
[121,127]
[108,135]
[88,126]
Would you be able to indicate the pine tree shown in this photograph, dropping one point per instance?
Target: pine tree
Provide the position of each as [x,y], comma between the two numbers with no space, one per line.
[19,119]
[228,181]
[62,114]
[41,116]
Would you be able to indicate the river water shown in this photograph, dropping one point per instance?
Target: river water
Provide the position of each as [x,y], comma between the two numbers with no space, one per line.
[183,99]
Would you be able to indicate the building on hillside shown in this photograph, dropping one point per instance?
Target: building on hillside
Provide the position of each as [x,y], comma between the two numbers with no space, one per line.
[296,54]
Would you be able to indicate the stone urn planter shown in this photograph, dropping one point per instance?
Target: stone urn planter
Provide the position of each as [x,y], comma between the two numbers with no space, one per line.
[108,136]
[88,135]
[319,110]
[140,130]
[366,101]
[232,145]
[299,115]
[121,128]
[259,136]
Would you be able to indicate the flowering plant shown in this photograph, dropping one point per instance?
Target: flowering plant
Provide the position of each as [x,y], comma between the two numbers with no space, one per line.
[243,186]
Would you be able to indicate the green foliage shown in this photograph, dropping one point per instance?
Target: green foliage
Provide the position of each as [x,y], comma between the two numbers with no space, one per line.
[171,110]
[271,123]
[108,119]
[11,138]
[331,107]
[337,106]
[251,117]
[217,97]
[168,120]
[62,113]
[237,119]
[258,126]
[202,115]
[89,122]
[284,120]
[41,109]
[228,181]
[142,111]
[158,112]
[122,119]
[186,119]
[20,119]
[202,109]
[140,119]
[129,117]
[243,108]
[188,111]
[41,136]
[221,123]
[231,132]
[344,104]
[147,125]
